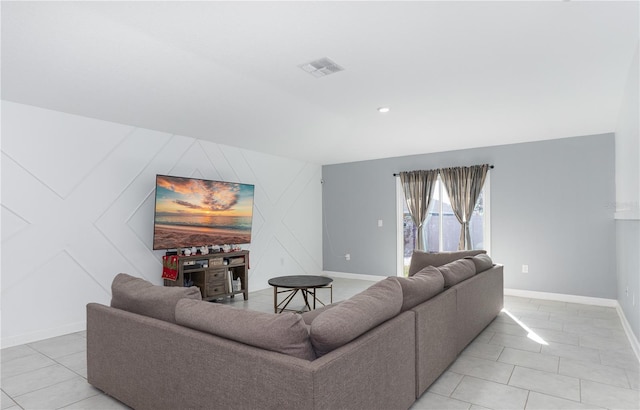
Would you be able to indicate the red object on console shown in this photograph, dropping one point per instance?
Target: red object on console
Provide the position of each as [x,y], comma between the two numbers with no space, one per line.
[170,267]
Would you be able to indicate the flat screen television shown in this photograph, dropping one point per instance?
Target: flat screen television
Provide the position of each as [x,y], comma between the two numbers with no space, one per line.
[198,212]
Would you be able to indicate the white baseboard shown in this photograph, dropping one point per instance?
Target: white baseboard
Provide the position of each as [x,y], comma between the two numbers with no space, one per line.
[346,275]
[43,334]
[635,345]
[585,300]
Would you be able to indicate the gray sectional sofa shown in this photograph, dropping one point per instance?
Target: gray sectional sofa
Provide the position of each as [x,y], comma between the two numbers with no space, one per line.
[164,348]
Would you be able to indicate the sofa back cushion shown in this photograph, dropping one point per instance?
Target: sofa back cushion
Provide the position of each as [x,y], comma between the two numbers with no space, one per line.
[421,259]
[482,262]
[341,324]
[420,287]
[139,296]
[284,333]
[457,271]
[310,315]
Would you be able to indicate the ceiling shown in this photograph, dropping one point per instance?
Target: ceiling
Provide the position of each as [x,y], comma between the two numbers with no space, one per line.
[455,74]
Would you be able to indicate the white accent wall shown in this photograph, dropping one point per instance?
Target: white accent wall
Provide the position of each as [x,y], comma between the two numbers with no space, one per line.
[77,208]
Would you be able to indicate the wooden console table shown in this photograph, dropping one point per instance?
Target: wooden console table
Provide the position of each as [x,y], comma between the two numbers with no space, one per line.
[213,274]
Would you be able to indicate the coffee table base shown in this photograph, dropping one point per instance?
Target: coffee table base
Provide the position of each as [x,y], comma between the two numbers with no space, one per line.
[306,293]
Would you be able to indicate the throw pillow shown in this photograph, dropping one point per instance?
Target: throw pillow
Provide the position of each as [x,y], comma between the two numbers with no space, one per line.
[482,262]
[457,271]
[341,324]
[284,333]
[420,259]
[139,296]
[421,287]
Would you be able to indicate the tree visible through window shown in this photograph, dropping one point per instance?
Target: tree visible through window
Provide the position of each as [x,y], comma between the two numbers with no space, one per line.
[441,228]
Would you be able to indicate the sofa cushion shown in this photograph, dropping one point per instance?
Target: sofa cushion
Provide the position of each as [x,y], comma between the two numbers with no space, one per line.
[421,287]
[482,262]
[310,315]
[341,324]
[284,333]
[420,259]
[139,296]
[457,271]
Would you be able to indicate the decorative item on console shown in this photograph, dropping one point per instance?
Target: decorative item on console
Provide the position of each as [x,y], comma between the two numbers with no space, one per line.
[170,267]
[236,285]
[202,250]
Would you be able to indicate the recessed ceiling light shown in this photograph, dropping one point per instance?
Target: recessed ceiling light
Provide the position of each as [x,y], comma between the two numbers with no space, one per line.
[384,109]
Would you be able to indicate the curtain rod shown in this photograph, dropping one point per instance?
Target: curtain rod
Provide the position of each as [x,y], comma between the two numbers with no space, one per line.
[397,175]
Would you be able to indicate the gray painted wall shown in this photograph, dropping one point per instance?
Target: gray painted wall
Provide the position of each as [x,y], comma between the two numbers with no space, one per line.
[551,208]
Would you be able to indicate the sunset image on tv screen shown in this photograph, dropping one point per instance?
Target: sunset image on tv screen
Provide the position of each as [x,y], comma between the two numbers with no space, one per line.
[197,212]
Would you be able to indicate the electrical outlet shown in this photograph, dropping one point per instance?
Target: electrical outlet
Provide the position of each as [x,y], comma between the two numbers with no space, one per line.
[347,256]
[525,268]
[379,223]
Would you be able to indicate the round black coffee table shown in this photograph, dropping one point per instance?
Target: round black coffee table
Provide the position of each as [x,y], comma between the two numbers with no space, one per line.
[306,284]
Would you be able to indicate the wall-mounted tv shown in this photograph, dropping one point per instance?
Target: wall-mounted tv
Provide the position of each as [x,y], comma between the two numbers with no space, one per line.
[198,212]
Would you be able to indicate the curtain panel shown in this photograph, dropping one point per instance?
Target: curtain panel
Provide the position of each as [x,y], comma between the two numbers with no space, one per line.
[418,192]
[464,185]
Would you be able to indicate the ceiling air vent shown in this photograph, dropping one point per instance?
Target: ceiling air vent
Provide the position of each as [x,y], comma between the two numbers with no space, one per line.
[321,67]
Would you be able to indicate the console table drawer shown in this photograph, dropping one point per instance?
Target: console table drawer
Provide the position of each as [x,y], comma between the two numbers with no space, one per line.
[216,282]
[216,276]
[216,289]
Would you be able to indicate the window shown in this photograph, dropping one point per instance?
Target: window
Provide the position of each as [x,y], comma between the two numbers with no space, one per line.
[441,228]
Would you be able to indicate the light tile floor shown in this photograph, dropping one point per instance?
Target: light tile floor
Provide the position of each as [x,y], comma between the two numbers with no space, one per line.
[580,359]
[586,363]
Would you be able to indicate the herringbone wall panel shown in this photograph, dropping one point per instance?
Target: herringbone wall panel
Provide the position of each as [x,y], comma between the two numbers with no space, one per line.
[77,208]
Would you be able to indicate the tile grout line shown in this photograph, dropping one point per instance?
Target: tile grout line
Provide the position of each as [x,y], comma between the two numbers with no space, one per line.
[54,384]
[457,384]
[580,389]
[511,375]
[527,399]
